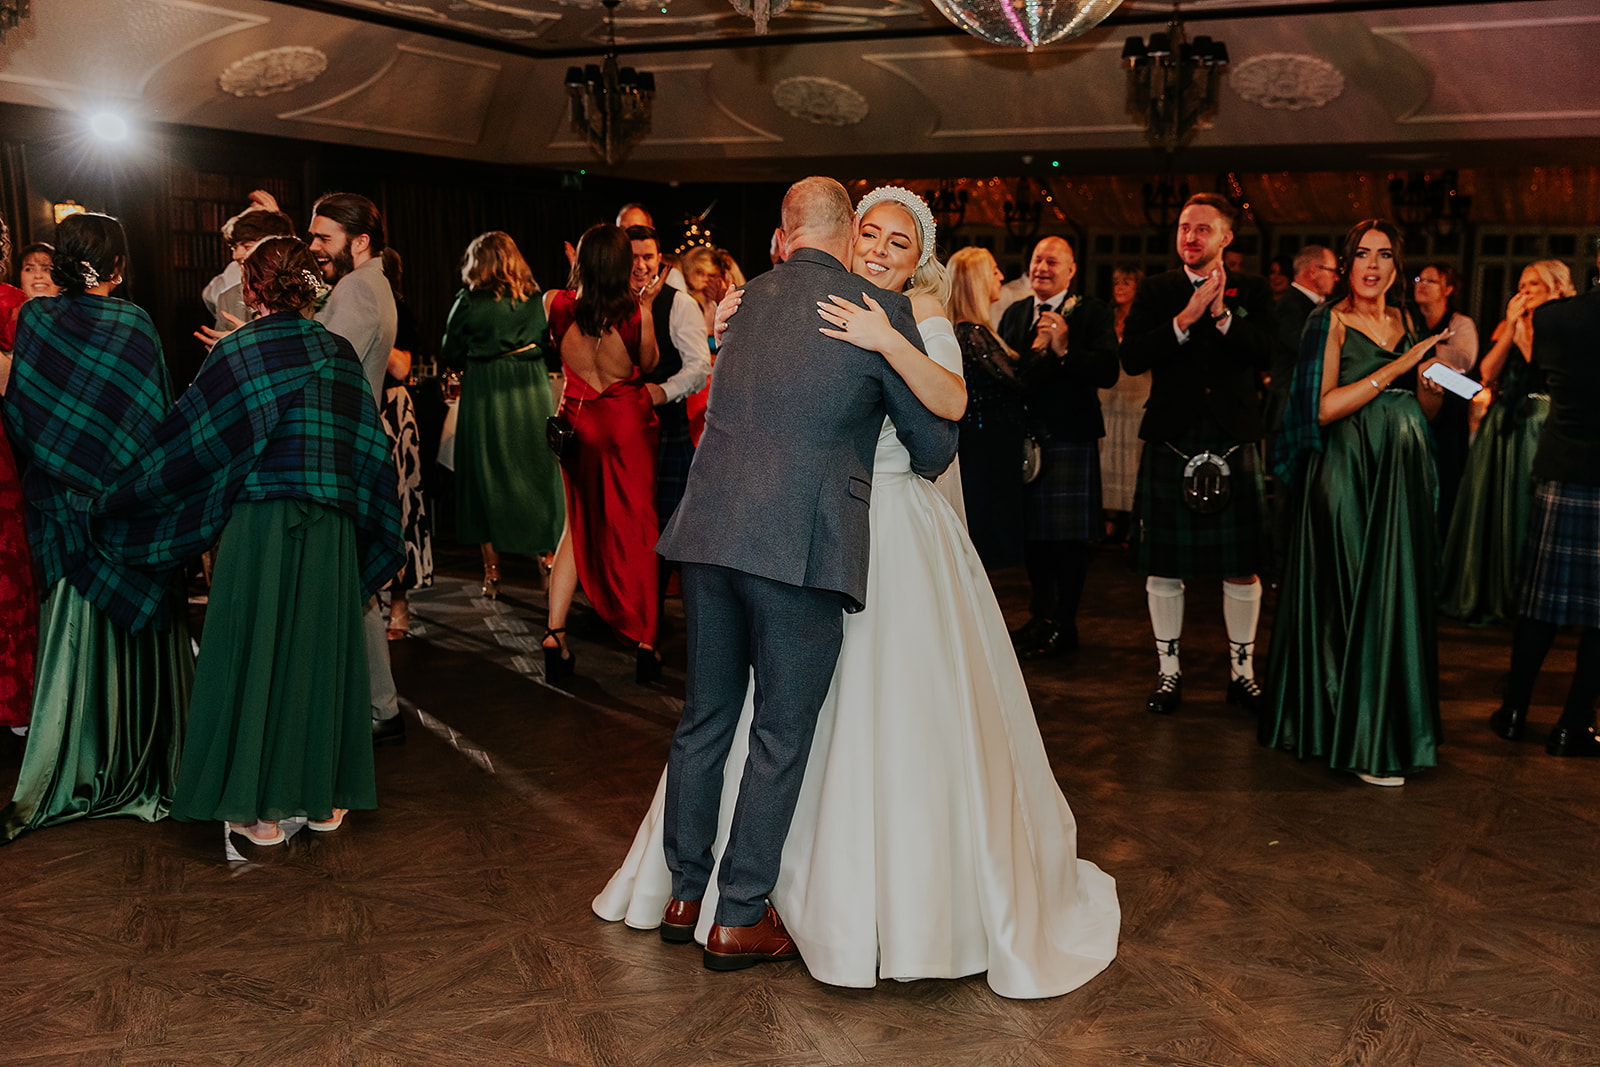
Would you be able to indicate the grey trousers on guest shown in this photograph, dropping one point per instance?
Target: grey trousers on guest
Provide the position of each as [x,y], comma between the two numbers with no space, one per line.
[385,702]
[790,637]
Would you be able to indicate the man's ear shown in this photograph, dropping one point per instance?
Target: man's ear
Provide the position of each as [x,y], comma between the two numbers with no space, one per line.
[361,242]
[783,242]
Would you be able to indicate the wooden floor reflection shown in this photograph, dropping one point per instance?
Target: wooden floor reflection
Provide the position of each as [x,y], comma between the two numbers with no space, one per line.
[1274,913]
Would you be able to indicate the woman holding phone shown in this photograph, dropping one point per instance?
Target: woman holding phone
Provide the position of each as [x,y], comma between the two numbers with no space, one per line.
[1354,661]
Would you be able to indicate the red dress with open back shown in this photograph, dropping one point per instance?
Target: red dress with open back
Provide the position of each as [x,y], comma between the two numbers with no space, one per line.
[19,607]
[611,487]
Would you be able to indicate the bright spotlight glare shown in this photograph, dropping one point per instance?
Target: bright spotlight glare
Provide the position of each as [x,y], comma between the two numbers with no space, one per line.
[109,127]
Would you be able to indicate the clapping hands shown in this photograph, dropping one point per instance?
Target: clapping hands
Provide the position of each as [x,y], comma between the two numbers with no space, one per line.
[1051,333]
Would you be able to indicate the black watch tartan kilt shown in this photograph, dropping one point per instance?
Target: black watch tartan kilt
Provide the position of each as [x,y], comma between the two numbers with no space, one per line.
[1175,542]
[1560,568]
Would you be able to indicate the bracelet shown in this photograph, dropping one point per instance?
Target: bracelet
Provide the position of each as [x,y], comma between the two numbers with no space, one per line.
[1375,384]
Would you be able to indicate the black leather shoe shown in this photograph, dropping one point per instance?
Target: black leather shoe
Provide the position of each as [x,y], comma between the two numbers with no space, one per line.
[1572,741]
[1246,693]
[1027,635]
[1509,722]
[389,731]
[647,667]
[1166,696]
[1049,640]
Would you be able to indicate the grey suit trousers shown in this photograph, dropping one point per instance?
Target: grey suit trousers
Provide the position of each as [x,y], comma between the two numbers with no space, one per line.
[790,636]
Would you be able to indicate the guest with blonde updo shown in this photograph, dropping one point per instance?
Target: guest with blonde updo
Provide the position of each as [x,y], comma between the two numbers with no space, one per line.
[1490,518]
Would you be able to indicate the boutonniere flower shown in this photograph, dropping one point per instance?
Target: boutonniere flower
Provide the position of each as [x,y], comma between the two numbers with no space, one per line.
[1068,305]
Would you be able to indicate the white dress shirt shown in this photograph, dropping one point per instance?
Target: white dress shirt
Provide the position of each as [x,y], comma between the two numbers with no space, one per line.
[686,325]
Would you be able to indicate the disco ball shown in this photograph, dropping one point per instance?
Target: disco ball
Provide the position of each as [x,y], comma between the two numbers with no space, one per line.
[1026,24]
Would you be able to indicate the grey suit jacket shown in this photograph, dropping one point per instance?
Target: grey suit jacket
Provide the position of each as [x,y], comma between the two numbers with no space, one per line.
[361,310]
[782,478]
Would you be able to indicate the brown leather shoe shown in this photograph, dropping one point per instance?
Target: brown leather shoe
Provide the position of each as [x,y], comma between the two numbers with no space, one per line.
[677,925]
[730,948]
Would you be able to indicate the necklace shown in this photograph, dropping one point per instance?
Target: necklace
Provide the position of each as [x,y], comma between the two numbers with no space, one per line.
[1379,329]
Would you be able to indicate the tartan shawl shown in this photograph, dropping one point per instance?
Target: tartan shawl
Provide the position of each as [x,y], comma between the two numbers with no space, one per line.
[87,390]
[1301,435]
[279,409]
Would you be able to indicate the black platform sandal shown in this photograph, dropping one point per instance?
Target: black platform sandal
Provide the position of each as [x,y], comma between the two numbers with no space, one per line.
[559,665]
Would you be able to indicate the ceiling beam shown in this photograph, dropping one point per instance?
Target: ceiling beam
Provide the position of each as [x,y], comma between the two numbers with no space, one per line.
[1124,16]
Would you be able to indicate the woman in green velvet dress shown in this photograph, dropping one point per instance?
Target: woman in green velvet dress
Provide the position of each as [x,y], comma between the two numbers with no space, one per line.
[1490,519]
[1354,659]
[277,455]
[114,664]
[508,483]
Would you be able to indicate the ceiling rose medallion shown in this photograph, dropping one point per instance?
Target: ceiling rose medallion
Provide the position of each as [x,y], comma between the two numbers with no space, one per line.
[277,70]
[1283,81]
[821,101]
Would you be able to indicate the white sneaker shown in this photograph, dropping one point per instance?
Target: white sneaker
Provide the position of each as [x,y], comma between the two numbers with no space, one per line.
[1372,779]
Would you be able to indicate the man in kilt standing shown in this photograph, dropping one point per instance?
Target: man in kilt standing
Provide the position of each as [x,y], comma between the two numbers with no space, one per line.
[1205,335]
[1560,580]
[1069,353]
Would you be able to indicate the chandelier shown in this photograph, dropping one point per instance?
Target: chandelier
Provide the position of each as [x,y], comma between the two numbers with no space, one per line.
[1173,81]
[1421,202]
[1022,215]
[949,205]
[11,13]
[1026,24]
[610,104]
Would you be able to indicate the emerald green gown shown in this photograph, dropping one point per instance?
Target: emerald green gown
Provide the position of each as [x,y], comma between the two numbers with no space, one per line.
[508,483]
[1490,518]
[1354,658]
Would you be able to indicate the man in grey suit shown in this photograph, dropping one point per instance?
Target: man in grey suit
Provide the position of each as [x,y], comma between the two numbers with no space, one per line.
[772,535]
[347,240]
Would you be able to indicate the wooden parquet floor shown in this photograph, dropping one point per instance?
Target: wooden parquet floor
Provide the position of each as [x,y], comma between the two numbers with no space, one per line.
[1274,913]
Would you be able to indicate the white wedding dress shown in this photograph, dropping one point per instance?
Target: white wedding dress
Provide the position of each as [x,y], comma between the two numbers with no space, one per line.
[931,839]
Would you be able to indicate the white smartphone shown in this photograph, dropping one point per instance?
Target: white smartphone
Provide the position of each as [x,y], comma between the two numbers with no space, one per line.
[1452,380]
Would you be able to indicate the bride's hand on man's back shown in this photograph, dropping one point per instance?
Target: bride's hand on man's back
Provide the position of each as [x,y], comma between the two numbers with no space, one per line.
[725,310]
[866,327]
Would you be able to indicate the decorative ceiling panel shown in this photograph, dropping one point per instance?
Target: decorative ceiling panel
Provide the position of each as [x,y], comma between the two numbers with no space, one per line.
[58,50]
[385,103]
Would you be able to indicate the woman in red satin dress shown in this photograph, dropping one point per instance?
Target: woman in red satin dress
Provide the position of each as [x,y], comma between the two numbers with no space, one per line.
[606,338]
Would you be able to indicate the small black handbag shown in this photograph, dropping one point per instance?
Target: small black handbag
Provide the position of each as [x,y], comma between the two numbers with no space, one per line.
[561,436]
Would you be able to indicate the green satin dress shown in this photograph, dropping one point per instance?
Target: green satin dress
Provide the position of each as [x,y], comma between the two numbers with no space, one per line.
[1354,659]
[109,710]
[1490,520]
[508,483]
[281,720]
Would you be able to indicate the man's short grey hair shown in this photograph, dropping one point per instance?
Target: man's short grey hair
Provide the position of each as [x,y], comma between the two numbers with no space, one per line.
[819,207]
[1309,256]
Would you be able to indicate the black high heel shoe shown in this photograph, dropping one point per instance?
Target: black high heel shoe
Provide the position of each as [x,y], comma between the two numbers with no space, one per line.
[559,664]
[1509,722]
[647,668]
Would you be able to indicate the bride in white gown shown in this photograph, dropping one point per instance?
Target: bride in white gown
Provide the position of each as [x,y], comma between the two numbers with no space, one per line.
[931,839]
